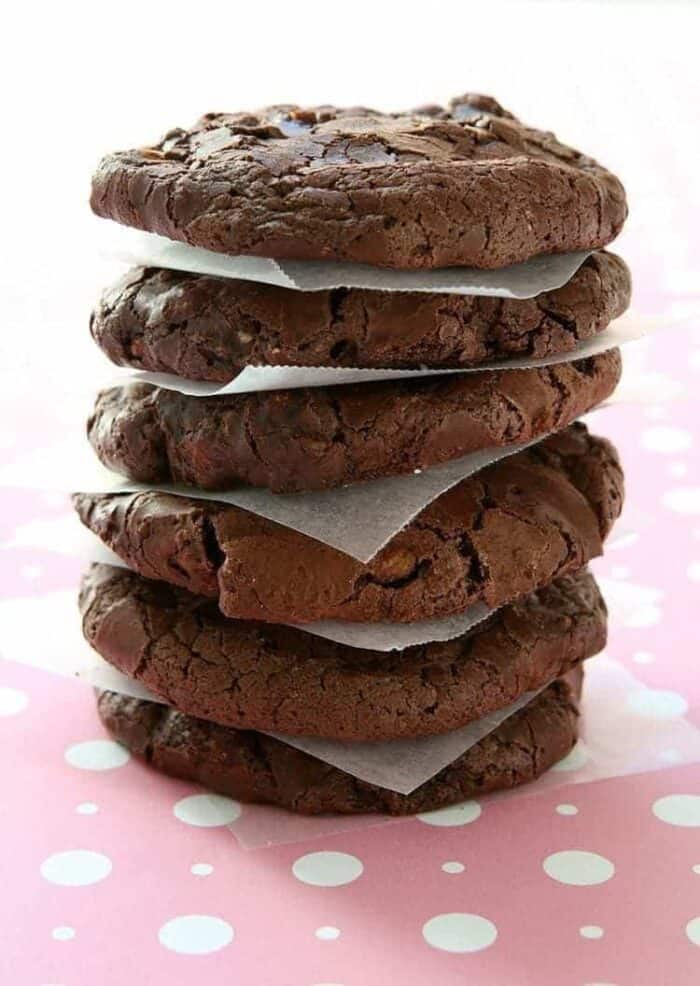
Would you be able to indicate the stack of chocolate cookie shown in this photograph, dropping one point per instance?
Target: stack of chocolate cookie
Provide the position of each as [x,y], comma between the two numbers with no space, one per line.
[210,612]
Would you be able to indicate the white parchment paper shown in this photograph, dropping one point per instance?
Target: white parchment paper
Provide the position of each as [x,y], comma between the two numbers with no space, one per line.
[403,765]
[617,736]
[400,765]
[543,273]
[366,636]
[358,520]
[379,636]
[397,636]
[616,740]
[629,328]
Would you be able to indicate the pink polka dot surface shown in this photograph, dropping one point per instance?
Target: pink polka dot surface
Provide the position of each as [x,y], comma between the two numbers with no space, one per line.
[114,874]
[117,872]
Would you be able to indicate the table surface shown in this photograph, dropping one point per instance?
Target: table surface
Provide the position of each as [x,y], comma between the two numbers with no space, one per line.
[114,874]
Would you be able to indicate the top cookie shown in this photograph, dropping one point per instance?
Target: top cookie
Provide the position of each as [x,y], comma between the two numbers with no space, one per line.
[467,185]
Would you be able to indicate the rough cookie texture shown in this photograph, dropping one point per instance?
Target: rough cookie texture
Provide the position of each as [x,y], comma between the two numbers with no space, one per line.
[250,766]
[209,328]
[279,679]
[322,437]
[467,185]
[501,533]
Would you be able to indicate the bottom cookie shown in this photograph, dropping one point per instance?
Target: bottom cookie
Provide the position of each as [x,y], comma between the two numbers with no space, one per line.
[253,767]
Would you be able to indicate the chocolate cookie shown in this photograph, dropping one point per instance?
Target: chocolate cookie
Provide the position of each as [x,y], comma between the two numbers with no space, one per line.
[321,437]
[250,766]
[279,679]
[503,532]
[468,185]
[209,328]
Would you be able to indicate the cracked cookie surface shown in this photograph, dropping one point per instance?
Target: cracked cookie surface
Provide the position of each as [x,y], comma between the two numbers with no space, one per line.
[499,534]
[466,185]
[253,767]
[209,328]
[279,679]
[322,437]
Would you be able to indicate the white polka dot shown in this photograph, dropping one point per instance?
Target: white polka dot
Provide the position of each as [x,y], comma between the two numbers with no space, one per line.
[207,810]
[578,867]
[643,657]
[683,499]
[642,615]
[692,930]
[63,933]
[656,412]
[591,931]
[12,701]
[458,932]
[97,755]
[327,933]
[53,499]
[620,572]
[461,814]
[696,868]
[656,703]
[664,387]
[452,867]
[30,572]
[678,470]
[327,869]
[195,934]
[666,439]
[684,309]
[87,808]
[623,539]
[678,809]
[574,760]
[76,868]
[201,869]
[567,810]
[694,571]
[671,755]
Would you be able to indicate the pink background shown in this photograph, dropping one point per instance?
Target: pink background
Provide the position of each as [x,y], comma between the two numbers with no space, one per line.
[643,908]
[625,93]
